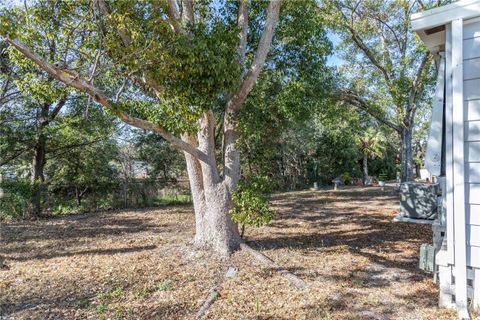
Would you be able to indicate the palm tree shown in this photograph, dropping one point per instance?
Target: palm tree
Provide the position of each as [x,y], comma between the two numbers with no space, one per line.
[371,144]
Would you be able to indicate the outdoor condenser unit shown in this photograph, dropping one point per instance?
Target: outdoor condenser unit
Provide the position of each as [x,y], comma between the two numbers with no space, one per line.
[419,201]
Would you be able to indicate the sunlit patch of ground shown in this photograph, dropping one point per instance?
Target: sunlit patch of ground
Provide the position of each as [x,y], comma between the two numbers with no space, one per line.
[140,265]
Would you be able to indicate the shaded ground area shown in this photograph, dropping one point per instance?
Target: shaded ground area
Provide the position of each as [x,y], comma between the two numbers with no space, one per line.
[140,265]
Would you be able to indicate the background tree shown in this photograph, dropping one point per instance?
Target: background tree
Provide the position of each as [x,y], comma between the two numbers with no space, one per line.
[163,161]
[82,152]
[372,144]
[42,98]
[389,70]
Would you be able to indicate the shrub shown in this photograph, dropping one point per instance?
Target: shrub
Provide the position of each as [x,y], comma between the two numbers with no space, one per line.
[346,178]
[382,176]
[16,196]
[251,205]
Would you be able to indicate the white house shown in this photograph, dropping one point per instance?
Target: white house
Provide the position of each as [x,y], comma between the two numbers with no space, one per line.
[452,34]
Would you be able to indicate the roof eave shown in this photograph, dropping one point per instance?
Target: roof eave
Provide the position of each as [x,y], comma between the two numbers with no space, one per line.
[424,21]
[464,9]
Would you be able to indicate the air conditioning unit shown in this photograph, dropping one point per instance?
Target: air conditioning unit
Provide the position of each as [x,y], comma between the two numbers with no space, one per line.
[419,201]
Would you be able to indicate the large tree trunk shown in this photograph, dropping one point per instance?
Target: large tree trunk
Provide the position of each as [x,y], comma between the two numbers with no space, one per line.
[38,164]
[365,170]
[214,229]
[406,156]
[218,231]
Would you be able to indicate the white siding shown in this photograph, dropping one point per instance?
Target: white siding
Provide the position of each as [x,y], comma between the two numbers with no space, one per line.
[471,89]
[473,194]
[472,109]
[473,214]
[471,94]
[471,30]
[471,48]
[472,131]
[471,69]
[473,256]
[472,151]
[473,235]
[473,172]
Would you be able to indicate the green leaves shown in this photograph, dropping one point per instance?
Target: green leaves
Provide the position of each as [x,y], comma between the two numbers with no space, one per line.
[195,70]
[250,203]
[372,142]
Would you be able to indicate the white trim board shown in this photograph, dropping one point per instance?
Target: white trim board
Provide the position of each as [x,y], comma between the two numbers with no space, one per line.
[463,9]
[449,145]
[459,166]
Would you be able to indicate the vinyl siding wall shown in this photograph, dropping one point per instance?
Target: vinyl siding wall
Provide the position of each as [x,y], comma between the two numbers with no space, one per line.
[471,89]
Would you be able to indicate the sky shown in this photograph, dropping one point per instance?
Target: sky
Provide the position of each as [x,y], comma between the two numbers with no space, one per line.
[334,60]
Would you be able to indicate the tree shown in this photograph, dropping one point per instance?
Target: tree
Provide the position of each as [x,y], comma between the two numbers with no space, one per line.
[392,73]
[371,144]
[30,102]
[163,161]
[184,66]
[292,89]
[84,170]
[81,152]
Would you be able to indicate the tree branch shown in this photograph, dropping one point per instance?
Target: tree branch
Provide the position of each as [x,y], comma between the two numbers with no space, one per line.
[187,12]
[231,155]
[98,96]
[15,155]
[397,40]
[76,145]
[355,100]
[57,108]
[273,15]
[370,55]
[242,22]
[174,16]
[145,79]
[363,47]
[416,81]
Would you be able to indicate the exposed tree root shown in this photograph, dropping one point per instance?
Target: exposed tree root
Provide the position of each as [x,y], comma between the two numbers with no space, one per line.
[212,296]
[213,293]
[296,281]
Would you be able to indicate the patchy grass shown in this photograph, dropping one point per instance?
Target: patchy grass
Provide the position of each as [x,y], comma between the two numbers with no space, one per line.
[140,264]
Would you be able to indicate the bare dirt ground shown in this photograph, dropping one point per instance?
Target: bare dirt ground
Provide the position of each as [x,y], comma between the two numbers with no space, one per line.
[140,265]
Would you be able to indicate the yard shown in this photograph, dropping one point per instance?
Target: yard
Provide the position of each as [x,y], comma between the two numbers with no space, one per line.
[140,265]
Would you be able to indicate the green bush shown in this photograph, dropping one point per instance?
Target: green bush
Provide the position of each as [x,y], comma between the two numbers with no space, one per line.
[382,177]
[251,205]
[16,196]
[346,178]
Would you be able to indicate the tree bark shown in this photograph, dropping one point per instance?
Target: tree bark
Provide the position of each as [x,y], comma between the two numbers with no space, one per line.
[79,195]
[418,174]
[38,164]
[365,169]
[214,228]
[406,154]
[79,198]
[218,232]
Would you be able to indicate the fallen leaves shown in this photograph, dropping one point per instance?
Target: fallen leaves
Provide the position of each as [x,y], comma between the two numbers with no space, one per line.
[139,264]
